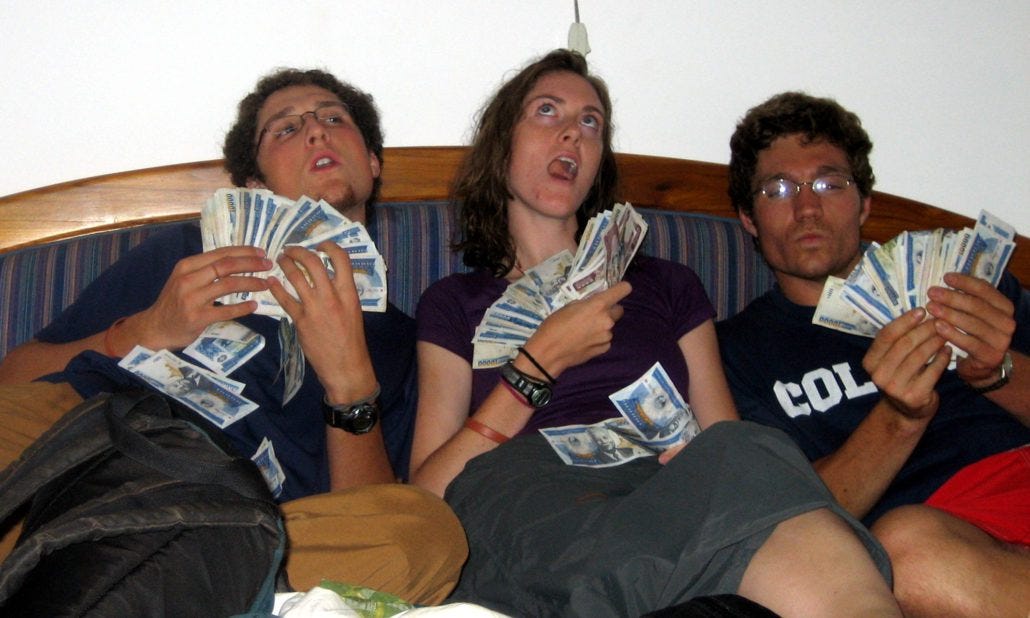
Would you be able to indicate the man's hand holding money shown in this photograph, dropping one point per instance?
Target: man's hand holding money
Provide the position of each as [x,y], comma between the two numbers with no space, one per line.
[328,318]
[977,318]
[186,304]
[905,361]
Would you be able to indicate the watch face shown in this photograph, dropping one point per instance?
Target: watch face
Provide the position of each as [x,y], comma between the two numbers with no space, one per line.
[540,396]
[356,419]
[362,419]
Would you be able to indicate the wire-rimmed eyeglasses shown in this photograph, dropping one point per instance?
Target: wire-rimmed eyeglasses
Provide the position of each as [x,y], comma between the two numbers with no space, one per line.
[328,115]
[827,185]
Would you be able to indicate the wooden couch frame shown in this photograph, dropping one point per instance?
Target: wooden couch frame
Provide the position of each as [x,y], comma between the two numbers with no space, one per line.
[177,192]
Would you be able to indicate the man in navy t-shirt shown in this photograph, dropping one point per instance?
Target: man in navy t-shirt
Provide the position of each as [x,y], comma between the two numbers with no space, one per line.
[934,459]
[343,439]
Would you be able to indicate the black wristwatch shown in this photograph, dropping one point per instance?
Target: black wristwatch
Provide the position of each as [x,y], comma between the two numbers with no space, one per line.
[536,392]
[357,418]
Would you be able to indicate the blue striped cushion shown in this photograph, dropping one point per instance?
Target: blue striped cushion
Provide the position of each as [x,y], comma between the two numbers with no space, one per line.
[415,242]
[26,306]
[717,248]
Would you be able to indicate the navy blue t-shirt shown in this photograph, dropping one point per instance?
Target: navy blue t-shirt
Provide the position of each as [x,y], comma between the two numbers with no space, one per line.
[297,430]
[808,381]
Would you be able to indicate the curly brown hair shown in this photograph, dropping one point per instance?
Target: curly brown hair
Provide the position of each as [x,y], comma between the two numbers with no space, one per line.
[240,149]
[790,113]
[481,185]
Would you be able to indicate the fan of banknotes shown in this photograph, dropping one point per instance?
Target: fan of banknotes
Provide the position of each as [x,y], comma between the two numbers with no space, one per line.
[894,277]
[653,418]
[610,240]
[258,217]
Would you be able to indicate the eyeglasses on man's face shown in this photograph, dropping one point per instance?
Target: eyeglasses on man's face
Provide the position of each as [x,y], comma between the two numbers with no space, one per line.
[282,128]
[827,185]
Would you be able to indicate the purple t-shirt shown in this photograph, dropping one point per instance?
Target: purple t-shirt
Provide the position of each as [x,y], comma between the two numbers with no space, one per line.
[667,301]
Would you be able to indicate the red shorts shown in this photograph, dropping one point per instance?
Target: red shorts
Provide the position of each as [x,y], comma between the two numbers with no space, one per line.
[992,494]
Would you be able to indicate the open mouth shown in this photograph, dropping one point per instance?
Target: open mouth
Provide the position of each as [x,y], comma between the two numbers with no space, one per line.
[323,162]
[563,167]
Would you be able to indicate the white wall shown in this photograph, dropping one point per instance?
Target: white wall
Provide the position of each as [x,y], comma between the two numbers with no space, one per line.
[103,86]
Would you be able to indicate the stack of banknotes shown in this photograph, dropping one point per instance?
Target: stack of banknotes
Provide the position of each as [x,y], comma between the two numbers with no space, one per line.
[894,277]
[653,418]
[259,218]
[610,240]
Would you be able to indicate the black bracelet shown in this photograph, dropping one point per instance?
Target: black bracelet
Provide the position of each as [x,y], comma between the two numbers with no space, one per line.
[547,376]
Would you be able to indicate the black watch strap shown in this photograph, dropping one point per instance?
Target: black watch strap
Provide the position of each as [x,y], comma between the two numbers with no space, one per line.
[1003,379]
[357,417]
[535,392]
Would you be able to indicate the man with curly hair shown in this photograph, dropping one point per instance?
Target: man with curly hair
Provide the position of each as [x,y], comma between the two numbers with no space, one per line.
[299,133]
[934,459]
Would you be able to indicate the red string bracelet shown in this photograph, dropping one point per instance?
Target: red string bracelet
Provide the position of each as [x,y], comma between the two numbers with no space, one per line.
[486,432]
[517,395]
[107,337]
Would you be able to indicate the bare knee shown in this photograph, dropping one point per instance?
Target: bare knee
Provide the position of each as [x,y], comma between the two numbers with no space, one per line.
[946,566]
[909,532]
[814,565]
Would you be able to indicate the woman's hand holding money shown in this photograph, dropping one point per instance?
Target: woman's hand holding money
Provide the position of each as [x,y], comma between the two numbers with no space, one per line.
[906,360]
[186,305]
[329,320]
[578,331]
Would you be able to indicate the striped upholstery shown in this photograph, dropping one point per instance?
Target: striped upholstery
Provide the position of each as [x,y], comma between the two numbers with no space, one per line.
[717,248]
[413,240]
[27,303]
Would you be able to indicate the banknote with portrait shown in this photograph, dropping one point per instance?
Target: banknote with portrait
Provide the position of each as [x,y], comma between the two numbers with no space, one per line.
[214,397]
[600,445]
[655,409]
[653,418]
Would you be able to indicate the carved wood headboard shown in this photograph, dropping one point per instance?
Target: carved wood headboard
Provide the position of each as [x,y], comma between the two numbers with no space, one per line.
[177,192]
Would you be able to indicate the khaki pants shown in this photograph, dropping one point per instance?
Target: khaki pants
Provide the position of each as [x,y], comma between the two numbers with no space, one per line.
[394,538]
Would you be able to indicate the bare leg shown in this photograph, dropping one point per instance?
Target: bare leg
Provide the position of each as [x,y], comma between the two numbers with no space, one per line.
[944,566]
[814,565]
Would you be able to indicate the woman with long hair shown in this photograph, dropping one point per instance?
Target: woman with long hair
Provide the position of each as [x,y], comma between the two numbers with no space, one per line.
[737,510]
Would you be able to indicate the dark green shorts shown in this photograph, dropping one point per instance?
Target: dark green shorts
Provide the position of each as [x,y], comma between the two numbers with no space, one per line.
[548,539]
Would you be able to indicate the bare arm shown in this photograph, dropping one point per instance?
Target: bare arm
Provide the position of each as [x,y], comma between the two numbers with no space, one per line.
[442,447]
[1015,396]
[183,309]
[899,362]
[709,393]
[34,358]
[331,331]
[572,335]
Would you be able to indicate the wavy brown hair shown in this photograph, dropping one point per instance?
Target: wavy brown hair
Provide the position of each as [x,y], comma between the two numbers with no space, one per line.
[481,185]
[790,113]
[240,149]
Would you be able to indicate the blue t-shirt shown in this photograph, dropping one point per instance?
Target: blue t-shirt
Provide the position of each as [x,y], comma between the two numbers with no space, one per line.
[667,301]
[808,381]
[296,430]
